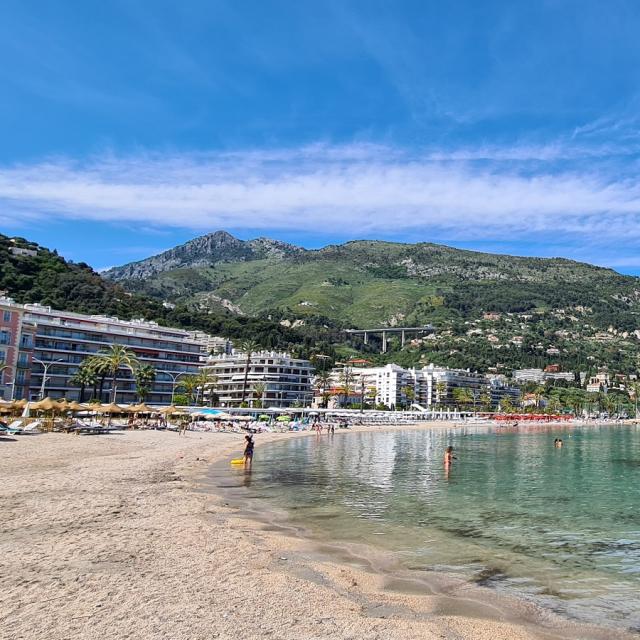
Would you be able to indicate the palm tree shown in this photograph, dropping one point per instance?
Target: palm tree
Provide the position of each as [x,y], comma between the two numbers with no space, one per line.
[538,394]
[258,391]
[118,357]
[346,383]
[462,396]
[205,379]
[144,375]
[322,382]
[249,347]
[84,377]
[100,368]
[485,400]
[441,392]
[409,394]
[190,385]
[506,405]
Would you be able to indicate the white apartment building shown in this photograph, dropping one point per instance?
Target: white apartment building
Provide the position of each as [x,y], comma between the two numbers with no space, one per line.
[528,375]
[437,385]
[540,377]
[378,385]
[63,340]
[286,380]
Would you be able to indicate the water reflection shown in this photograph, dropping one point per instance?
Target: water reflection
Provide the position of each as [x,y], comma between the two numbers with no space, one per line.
[513,511]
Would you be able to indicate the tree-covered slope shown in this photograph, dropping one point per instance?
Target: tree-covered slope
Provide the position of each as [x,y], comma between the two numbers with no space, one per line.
[49,279]
[364,283]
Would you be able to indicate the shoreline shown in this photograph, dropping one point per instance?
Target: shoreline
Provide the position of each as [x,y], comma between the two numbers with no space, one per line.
[119,536]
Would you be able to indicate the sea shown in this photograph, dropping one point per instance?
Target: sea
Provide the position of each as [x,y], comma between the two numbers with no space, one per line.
[514,513]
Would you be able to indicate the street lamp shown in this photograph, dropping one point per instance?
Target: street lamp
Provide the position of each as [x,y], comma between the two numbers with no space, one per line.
[174,378]
[45,366]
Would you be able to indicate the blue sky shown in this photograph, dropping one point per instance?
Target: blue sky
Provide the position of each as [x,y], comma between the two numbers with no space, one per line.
[129,127]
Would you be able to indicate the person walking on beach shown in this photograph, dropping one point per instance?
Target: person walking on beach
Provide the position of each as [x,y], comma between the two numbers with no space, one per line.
[248,451]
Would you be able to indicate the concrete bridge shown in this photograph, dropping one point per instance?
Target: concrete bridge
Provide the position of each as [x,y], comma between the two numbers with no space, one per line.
[385,331]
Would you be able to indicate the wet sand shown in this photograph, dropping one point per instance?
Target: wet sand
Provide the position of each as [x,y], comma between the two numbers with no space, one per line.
[116,536]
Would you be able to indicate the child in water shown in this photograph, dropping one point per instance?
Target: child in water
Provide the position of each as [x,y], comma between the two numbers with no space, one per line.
[248,451]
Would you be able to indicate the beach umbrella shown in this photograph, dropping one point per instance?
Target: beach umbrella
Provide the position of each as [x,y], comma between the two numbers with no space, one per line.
[283,419]
[20,404]
[62,405]
[264,417]
[141,408]
[218,415]
[110,408]
[171,410]
[45,405]
[76,406]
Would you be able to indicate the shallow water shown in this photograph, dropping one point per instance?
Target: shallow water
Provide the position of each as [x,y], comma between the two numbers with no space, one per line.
[559,526]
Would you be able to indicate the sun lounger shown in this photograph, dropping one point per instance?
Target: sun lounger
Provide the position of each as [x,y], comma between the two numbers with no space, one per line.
[17,428]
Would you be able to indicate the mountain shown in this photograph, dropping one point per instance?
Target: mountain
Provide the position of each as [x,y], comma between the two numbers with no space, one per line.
[32,273]
[491,312]
[205,251]
[363,283]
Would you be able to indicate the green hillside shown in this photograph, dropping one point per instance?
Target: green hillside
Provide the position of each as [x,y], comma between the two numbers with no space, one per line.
[490,312]
[49,279]
[367,283]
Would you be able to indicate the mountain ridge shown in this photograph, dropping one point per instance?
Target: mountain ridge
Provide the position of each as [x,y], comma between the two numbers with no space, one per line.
[221,246]
[209,249]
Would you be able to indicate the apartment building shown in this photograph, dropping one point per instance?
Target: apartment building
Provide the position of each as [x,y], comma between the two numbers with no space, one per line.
[385,385]
[273,380]
[16,350]
[55,343]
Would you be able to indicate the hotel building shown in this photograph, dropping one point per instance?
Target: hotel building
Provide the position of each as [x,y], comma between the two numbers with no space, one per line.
[286,380]
[62,340]
[16,350]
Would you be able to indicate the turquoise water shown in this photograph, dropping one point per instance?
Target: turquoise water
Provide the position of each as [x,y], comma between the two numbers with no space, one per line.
[560,526]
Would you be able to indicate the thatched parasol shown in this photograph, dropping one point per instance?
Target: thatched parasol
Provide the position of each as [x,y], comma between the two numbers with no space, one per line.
[45,405]
[110,408]
[171,410]
[76,406]
[141,408]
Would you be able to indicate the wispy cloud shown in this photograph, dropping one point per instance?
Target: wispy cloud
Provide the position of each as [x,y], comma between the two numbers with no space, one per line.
[468,193]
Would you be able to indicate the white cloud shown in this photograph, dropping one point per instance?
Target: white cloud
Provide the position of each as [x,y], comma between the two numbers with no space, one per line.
[468,193]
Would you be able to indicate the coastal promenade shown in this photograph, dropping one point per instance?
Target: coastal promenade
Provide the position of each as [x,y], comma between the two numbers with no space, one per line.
[114,537]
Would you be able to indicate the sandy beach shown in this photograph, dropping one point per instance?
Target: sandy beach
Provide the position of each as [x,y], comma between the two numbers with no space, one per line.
[114,537]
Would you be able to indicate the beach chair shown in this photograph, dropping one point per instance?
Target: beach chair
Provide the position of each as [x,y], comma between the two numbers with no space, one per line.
[15,428]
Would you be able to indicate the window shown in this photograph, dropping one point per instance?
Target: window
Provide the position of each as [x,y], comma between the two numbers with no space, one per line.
[3,356]
[7,316]
[5,337]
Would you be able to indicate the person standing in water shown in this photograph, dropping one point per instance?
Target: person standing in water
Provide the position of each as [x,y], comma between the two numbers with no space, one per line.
[248,451]
[448,456]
